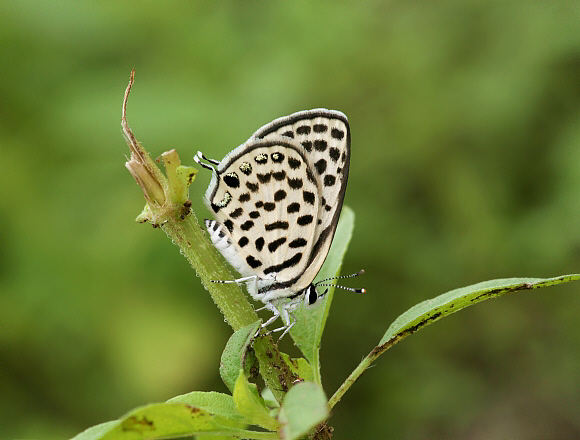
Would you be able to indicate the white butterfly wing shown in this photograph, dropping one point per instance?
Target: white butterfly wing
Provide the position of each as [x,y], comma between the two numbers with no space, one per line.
[325,139]
[265,197]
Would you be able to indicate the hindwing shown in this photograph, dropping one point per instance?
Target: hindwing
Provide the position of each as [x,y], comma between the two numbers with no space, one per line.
[325,137]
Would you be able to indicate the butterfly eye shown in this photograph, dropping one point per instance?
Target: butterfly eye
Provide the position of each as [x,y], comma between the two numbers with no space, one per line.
[312,295]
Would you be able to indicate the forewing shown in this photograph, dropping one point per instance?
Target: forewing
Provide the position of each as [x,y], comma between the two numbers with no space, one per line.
[265,195]
[325,138]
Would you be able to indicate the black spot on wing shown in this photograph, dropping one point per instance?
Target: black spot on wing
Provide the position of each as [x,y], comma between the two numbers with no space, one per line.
[320,166]
[236,213]
[259,204]
[247,225]
[294,163]
[303,129]
[254,214]
[308,197]
[320,128]
[259,244]
[280,175]
[264,178]
[228,224]
[293,207]
[329,180]
[244,197]
[269,206]
[286,264]
[334,153]
[276,244]
[295,183]
[307,145]
[305,220]
[277,225]
[336,133]
[288,133]
[279,195]
[252,186]
[244,241]
[261,159]
[223,203]
[320,145]
[253,262]
[231,180]
[277,157]
[299,242]
[246,168]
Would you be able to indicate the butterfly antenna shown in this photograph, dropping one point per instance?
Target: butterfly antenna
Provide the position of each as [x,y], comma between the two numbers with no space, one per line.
[352,275]
[351,289]
[199,157]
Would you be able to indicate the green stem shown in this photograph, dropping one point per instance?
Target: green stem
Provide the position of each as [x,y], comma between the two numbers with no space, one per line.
[209,265]
[229,298]
[167,206]
[232,302]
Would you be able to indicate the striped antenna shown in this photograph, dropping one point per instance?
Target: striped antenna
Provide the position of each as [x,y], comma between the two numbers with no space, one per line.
[350,289]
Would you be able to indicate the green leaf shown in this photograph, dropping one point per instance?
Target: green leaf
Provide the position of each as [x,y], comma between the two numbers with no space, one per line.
[269,399]
[97,431]
[168,420]
[237,354]
[310,322]
[303,408]
[230,423]
[218,437]
[434,309]
[215,437]
[300,367]
[250,404]
[212,402]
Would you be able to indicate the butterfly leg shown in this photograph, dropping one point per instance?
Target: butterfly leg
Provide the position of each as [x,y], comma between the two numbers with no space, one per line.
[289,321]
[276,313]
[274,310]
[238,281]
[287,329]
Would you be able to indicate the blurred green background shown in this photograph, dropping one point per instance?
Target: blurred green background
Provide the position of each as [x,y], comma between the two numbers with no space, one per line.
[465,122]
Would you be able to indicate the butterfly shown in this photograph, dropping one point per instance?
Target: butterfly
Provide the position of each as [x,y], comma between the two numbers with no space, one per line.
[277,199]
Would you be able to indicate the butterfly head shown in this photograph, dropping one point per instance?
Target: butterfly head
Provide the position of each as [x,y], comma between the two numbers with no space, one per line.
[312,296]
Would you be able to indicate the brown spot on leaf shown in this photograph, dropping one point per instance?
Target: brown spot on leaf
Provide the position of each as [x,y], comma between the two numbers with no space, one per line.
[134,423]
